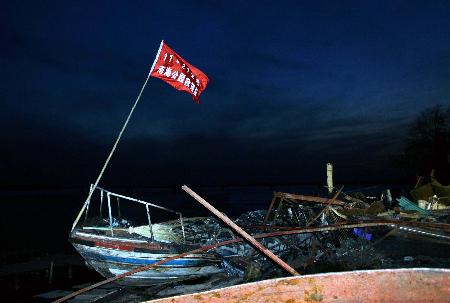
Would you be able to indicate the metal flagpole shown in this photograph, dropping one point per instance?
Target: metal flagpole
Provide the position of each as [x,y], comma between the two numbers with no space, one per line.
[117,140]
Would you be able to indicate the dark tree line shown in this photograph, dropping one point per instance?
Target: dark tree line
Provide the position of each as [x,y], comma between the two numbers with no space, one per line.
[428,144]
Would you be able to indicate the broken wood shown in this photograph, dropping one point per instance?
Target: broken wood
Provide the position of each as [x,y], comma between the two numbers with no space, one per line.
[293,198]
[213,246]
[269,209]
[326,207]
[240,231]
[312,199]
[439,226]
[284,232]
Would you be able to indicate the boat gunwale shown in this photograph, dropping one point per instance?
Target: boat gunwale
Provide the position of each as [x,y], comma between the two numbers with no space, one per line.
[262,283]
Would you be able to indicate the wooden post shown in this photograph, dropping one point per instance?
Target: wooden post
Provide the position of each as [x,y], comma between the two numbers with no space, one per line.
[240,231]
[330,177]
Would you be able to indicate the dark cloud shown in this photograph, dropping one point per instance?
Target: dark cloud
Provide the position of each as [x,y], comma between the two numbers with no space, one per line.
[293,85]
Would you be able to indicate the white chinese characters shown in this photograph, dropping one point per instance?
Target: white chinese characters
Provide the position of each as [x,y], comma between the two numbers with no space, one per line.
[168,60]
[187,78]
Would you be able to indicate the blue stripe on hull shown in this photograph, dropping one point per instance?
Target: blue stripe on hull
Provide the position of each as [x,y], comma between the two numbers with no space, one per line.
[178,262]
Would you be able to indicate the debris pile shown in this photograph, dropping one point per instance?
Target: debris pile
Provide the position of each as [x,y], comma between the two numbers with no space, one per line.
[308,234]
[431,195]
[322,234]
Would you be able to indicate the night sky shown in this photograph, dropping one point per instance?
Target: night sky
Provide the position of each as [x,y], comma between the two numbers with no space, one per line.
[293,85]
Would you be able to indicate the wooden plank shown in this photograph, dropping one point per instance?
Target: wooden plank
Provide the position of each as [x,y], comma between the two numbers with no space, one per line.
[326,207]
[312,199]
[269,209]
[240,231]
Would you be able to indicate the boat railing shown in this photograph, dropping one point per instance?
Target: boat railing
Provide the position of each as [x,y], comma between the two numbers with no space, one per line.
[148,205]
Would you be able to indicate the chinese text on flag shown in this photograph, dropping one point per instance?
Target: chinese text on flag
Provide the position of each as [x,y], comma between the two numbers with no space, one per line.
[177,72]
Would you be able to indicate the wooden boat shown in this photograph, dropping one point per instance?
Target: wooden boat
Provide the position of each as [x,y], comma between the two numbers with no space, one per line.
[112,249]
[111,256]
[376,286]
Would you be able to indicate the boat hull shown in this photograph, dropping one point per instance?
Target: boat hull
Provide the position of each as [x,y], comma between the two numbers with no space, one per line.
[397,285]
[111,257]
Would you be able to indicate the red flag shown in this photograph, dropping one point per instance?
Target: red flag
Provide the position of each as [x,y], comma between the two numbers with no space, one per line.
[177,72]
